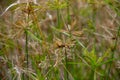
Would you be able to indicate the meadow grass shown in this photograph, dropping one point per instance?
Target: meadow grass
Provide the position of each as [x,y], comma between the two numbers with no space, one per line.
[60,40]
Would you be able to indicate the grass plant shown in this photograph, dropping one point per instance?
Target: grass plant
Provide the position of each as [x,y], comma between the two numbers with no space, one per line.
[60,40]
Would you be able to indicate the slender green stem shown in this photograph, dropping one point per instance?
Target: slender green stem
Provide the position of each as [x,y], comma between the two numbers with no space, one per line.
[68,12]
[58,18]
[68,17]
[26,51]
[113,52]
[66,64]
[26,42]
[68,22]
[26,48]
[95,74]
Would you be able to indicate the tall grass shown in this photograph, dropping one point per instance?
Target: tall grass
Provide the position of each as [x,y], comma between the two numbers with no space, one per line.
[60,40]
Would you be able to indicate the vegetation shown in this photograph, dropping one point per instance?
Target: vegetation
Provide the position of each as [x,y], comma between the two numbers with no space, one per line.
[60,40]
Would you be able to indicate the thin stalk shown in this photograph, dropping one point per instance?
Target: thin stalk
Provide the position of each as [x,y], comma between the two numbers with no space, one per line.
[26,41]
[68,12]
[95,74]
[92,75]
[68,17]
[113,51]
[68,22]
[58,18]
[66,65]
[26,51]
[94,17]
[26,48]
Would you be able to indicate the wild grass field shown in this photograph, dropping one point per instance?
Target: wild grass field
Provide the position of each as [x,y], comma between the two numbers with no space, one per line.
[60,40]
